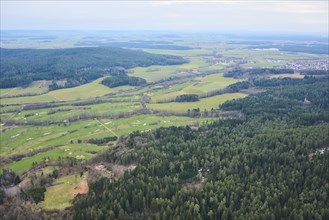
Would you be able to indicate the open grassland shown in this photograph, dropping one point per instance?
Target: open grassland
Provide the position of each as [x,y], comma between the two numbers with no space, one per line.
[89,90]
[67,112]
[147,122]
[64,189]
[28,139]
[6,116]
[28,99]
[5,109]
[156,73]
[78,151]
[206,103]
[37,87]
[24,139]
[201,85]
[5,92]
[171,89]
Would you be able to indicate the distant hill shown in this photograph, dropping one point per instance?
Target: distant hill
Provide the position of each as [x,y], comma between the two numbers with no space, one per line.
[19,67]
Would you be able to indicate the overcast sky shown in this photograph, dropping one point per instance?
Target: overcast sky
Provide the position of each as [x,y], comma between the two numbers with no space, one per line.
[267,16]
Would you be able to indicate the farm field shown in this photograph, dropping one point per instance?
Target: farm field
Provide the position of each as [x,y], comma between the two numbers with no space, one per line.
[202,104]
[67,112]
[201,85]
[37,87]
[28,99]
[63,139]
[89,90]
[64,189]
[81,152]
[156,73]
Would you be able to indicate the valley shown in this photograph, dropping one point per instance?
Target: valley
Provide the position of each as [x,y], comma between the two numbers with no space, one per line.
[71,123]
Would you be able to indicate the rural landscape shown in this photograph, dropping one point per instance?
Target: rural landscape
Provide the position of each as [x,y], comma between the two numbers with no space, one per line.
[163,125]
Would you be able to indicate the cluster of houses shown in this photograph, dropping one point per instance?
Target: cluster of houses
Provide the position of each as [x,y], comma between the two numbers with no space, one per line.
[219,60]
[303,65]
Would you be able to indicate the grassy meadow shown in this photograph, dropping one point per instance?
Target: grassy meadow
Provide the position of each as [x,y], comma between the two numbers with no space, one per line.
[201,85]
[89,90]
[64,189]
[202,104]
[64,138]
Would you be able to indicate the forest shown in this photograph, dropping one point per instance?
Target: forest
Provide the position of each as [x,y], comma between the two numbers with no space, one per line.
[187,98]
[270,164]
[122,79]
[19,67]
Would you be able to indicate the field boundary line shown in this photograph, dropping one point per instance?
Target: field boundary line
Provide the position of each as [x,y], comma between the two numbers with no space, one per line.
[106,127]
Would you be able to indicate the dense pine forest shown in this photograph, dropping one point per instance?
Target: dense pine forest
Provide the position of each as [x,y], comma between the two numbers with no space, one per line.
[120,79]
[19,67]
[270,164]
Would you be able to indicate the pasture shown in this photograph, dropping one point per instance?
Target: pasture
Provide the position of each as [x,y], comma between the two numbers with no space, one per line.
[36,87]
[156,73]
[64,189]
[201,85]
[67,112]
[89,90]
[69,139]
[202,104]
[78,151]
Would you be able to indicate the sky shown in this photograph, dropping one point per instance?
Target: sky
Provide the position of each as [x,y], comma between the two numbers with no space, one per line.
[257,16]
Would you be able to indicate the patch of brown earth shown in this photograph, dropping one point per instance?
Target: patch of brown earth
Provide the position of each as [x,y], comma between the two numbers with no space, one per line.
[193,185]
[82,188]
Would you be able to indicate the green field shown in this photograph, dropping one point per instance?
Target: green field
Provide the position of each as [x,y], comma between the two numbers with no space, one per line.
[28,99]
[24,139]
[89,90]
[206,103]
[147,122]
[78,151]
[37,87]
[67,112]
[156,73]
[64,190]
[201,85]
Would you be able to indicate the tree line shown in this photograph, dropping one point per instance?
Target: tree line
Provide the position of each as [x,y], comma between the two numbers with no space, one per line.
[122,79]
